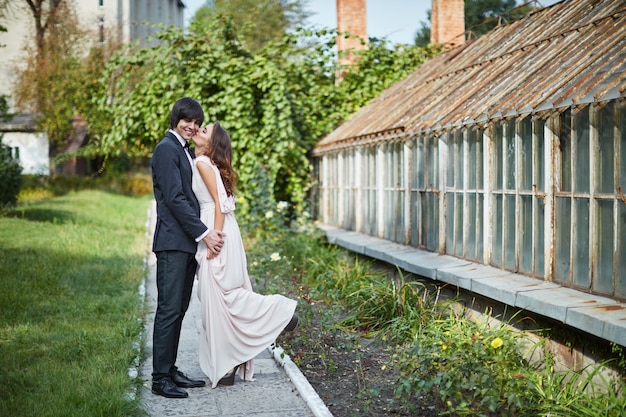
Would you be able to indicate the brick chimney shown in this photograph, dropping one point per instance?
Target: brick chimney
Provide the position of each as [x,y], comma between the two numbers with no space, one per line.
[448,22]
[351,17]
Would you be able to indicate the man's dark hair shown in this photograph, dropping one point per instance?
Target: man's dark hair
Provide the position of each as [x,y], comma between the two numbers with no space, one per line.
[186,108]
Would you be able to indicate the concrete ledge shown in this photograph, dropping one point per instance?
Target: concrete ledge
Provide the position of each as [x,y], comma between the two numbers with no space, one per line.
[593,314]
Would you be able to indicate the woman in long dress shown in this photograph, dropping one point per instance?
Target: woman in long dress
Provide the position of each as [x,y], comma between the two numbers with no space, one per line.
[237,323]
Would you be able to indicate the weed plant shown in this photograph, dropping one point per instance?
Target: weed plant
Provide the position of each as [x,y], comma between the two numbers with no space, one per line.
[70,269]
[469,367]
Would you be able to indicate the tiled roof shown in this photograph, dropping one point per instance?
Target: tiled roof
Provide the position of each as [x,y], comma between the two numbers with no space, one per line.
[573,52]
[23,122]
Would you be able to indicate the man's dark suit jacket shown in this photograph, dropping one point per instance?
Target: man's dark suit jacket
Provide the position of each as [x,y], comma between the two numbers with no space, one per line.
[178,212]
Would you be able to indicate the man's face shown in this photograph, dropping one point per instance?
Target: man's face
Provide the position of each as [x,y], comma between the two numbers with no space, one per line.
[186,128]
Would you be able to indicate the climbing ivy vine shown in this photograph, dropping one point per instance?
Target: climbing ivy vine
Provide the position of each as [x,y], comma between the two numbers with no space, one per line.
[275,102]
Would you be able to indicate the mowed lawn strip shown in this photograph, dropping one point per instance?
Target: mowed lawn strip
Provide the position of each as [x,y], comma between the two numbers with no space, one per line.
[70,309]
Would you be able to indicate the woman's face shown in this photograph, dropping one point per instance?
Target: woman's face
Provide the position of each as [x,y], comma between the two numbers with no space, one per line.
[203,136]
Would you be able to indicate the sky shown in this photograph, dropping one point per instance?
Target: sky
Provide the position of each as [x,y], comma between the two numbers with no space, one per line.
[396,20]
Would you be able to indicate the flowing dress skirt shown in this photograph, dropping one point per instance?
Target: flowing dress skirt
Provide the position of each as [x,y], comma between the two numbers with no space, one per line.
[237,323]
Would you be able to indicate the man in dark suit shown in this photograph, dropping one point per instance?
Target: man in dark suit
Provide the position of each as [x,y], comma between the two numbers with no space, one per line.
[177,233]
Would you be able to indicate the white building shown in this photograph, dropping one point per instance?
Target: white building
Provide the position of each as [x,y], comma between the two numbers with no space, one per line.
[128,20]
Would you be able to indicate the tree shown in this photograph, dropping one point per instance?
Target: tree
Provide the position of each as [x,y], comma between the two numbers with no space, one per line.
[57,77]
[46,14]
[257,21]
[10,167]
[275,102]
[481,16]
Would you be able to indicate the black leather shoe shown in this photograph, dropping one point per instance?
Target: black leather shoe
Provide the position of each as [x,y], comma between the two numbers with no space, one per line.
[166,388]
[183,381]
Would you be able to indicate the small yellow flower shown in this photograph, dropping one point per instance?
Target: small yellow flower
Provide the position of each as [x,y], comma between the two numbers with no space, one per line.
[444,347]
[496,343]
[275,257]
[384,367]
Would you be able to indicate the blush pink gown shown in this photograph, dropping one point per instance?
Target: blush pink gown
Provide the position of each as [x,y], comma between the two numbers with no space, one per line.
[237,323]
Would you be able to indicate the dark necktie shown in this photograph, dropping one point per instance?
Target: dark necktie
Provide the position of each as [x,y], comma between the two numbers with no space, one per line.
[188,152]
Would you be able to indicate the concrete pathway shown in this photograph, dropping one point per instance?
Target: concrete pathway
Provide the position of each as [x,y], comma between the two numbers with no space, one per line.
[279,389]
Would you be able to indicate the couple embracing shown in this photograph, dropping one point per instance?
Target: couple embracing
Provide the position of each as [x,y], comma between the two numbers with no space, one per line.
[197,234]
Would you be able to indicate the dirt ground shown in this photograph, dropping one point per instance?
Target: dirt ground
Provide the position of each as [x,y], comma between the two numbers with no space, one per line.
[354,376]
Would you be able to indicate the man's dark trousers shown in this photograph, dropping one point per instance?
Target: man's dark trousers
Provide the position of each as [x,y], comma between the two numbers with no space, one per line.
[175,275]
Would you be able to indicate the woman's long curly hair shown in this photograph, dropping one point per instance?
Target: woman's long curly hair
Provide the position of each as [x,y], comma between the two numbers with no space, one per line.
[220,151]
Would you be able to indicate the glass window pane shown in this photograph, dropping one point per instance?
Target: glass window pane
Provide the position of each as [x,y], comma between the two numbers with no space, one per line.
[497,230]
[622,146]
[348,179]
[418,165]
[432,216]
[400,216]
[580,239]
[479,159]
[450,167]
[603,274]
[510,155]
[620,277]
[479,227]
[432,165]
[526,155]
[458,159]
[565,146]
[458,233]
[415,218]
[510,261]
[450,223]
[471,222]
[539,156]
[539,237]
[372,225]
[605,123]
[562,239]
[426,215]
[471,159]
[526,238]
[581,151]
[498,159]
[398,156]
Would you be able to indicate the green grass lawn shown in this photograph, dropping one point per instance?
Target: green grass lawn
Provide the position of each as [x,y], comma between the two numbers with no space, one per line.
[70,309]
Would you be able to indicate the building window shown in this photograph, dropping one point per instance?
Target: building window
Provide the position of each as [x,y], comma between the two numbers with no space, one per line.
[349,178]
[590,214]
[504,196]
[394,190]
[334,191]
[465,194]
[101,3]
[425,191]
[474,192]
[573,200]
[368,204]
[454,194]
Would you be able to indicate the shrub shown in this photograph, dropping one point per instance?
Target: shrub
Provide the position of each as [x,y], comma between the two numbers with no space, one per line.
[470,368]
[11,174]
